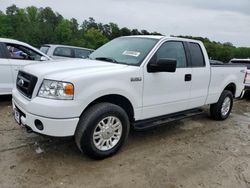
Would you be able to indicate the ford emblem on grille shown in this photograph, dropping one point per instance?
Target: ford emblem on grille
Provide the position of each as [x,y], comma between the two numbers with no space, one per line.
[20,82]
[26,83]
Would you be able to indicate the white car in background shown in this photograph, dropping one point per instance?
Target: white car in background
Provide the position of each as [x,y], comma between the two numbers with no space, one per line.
[56,51]
[13,56]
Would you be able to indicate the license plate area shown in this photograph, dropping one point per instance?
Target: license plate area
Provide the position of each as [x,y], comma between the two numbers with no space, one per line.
[17,116]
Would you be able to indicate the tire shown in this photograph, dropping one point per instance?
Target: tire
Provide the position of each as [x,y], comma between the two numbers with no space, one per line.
[100,117]
[222,109]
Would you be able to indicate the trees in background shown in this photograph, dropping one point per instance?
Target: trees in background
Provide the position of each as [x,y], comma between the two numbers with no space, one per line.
[38,26]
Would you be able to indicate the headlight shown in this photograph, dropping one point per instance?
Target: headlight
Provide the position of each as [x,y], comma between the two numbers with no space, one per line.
[56,90]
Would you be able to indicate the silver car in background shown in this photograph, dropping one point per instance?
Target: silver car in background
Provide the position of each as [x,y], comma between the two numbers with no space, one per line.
[64,51]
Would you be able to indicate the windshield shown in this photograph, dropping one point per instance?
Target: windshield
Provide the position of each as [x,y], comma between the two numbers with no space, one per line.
[125,50]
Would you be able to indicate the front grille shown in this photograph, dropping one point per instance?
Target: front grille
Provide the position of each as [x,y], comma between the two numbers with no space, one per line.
[26,83]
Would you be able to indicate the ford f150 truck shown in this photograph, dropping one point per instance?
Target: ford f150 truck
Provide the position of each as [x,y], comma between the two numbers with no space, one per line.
[131,82]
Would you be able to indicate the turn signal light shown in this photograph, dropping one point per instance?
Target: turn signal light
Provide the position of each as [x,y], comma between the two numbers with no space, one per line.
[69,89]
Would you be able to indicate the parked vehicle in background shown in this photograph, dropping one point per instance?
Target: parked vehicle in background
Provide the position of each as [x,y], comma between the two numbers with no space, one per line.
[64,51]
[136,81]
[13,56]
[216,62]
[245,62]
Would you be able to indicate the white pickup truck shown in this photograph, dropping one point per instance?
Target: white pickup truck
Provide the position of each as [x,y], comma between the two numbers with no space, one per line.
[131,82]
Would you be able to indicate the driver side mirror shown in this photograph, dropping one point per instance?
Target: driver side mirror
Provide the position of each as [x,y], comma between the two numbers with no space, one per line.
[163,65]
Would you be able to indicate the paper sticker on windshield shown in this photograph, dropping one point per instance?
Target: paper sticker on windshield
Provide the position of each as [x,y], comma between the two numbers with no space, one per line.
[131,53]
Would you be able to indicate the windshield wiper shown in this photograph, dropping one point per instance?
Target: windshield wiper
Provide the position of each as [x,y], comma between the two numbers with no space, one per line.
[109,59]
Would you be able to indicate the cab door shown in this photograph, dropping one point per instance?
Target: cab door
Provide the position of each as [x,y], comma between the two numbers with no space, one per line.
[166,92]
[200,75]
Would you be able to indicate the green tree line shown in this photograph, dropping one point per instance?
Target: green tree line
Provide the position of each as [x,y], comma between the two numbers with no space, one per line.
[38,26]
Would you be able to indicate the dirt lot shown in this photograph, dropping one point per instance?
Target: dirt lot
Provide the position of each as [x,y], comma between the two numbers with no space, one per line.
[196,152]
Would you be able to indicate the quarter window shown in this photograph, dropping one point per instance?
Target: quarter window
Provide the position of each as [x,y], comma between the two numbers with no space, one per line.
[196,55]
[172,50]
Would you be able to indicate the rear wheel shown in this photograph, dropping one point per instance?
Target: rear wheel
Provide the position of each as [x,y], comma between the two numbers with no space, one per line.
[222,109]
[102,130]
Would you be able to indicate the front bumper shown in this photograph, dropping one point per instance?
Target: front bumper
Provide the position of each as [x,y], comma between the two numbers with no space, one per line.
[51,126]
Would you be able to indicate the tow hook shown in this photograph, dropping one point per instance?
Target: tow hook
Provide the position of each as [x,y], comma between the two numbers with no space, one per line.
[28,129]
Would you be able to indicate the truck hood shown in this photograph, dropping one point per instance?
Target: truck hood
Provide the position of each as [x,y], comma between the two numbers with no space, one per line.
[60,70]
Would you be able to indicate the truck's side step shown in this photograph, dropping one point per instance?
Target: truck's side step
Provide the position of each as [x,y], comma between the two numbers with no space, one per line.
[154,122]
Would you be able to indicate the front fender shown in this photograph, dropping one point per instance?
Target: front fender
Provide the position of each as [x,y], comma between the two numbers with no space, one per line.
[131,91]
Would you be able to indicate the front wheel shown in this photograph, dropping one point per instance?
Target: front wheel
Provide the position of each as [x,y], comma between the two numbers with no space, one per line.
[222,109]
[102,130]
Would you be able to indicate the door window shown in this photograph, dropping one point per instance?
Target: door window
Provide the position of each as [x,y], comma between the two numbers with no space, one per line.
[172,50]
[2,51]
[22,53]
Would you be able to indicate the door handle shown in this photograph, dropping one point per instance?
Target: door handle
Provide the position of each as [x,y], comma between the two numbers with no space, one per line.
[188,77]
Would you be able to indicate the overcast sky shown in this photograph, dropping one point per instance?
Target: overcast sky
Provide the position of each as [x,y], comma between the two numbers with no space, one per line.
[219,20]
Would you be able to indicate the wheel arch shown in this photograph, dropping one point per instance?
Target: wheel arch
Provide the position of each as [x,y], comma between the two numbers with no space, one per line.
[116,99]
[231,87]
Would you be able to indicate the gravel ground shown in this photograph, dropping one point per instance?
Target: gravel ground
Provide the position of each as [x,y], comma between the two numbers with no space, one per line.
[195,152]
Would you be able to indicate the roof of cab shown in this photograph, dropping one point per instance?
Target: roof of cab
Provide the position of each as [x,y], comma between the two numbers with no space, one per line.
[162,37]
[147,36]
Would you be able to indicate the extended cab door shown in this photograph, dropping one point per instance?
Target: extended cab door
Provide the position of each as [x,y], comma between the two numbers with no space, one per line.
[6,78]
[200,74]
[166,92]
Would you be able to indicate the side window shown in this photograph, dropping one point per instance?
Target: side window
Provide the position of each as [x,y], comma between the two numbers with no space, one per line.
[197,57]
[2,50]
[172,50]
[81,53]
[22,53]
[63,51]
